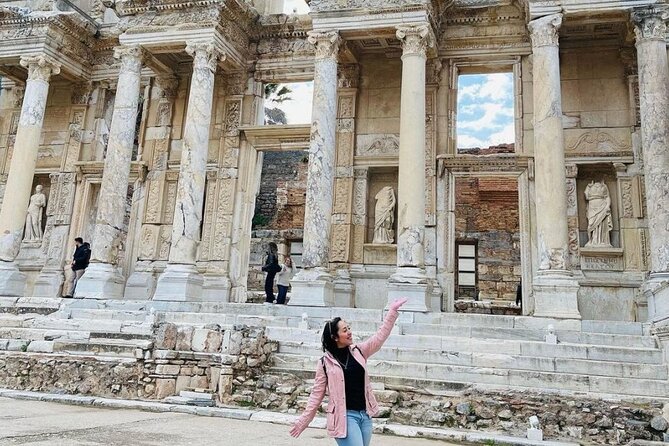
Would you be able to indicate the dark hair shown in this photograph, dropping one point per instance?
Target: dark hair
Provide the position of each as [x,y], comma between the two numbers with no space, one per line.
[329,335]
[79,240]
[272,247]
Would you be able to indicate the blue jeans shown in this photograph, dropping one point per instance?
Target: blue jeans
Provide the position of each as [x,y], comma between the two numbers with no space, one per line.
[281,298]
[358,429]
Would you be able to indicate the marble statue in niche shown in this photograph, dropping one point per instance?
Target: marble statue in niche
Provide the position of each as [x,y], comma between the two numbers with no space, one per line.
[33,231]
[384,216]
[598,212]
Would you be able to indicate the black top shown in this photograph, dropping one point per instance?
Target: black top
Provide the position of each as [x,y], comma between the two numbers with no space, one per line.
[82,255]
[271,263]
[354,379]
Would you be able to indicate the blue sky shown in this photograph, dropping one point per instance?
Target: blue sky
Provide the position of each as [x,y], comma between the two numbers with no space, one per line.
[298,110]
[485,110]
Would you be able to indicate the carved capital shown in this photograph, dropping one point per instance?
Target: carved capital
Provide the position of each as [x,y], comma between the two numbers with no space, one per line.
[415,39]
[544,31]
[650,23]
[325,43]
[131,58]
[40,68]
[205,55]
[168,86]
[571,170]
[348,75]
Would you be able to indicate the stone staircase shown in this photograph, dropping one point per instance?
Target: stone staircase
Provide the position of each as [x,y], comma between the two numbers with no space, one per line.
[433,351]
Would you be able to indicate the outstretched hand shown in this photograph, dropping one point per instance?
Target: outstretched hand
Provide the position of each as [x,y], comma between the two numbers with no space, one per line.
[295,431]
[398,303]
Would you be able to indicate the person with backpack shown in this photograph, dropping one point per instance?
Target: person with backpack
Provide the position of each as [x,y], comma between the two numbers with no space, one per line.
[80,260]
[342,374]
[271,267]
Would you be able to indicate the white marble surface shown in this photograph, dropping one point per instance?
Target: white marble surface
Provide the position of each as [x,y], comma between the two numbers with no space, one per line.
[22,166]
[102,278]
[112,207]
[320,176]
[190,192]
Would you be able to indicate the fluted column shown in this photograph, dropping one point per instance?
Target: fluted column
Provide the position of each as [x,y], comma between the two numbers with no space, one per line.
[313,284]
[409,279]
[555,290]
[650,28]
[22,169]
[181,280]
[102,279]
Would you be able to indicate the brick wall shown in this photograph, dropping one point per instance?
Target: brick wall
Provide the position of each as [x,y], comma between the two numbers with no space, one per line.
[487,211]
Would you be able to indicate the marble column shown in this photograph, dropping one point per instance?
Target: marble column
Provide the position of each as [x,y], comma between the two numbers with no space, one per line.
[650,28]
[409,279]
[102,279]
[313,285]
[555,289]
[22,170]
[181,281]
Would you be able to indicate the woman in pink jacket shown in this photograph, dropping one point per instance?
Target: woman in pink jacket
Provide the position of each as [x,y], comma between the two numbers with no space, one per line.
[342,372]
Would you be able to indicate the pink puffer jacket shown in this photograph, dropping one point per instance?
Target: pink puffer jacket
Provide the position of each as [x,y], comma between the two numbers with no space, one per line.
[334,383]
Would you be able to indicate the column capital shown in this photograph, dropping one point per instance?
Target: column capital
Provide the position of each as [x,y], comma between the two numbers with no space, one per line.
[168,86]
[415,39]
[326,43]
[650,23]
[131,57]
[205,54]
[544,30]
[40,67]
[348,75]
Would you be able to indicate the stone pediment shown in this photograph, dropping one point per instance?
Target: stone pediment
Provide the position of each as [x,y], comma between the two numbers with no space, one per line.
[598,142]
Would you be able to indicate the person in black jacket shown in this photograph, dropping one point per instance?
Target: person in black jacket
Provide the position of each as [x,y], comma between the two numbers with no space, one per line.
[271,267]
[82,255]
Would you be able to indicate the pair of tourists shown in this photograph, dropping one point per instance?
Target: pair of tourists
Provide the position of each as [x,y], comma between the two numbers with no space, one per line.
[342,374]
[281,272]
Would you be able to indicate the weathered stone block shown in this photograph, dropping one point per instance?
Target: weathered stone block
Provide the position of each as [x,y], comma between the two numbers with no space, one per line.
[205,340]
[165,388]
[167,369]
[184,338]
[166,336]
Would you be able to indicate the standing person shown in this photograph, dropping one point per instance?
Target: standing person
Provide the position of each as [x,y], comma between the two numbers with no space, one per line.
[82,255]
[283,280]
[271,267]
[342,373]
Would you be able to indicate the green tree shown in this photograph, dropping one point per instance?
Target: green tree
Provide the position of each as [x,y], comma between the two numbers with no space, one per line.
[275,94]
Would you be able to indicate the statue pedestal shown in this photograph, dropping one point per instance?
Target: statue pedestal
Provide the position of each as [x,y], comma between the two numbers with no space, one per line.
[181,283]
[410,283]
[12,281]
[100,281]
[556,295]
[49,283]
[312,288]
[602,258]
[379,254]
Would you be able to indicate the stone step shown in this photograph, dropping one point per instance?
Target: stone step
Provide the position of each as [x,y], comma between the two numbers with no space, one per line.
[499,378]
[29,305]
[311,339]
[102,347]
[121,315]
[92,325]
[33,334]
[500,361]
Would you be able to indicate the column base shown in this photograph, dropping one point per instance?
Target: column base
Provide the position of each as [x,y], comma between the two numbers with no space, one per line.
[312,287]
[216,288]
[656,291]
[12,281]
[179,283]
[141,285]
[100,281]
[556,295]
[49,283]
[344,290]
[412,284]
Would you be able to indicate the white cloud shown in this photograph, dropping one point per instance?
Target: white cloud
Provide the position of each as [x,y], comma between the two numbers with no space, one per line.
[496,86]
[492,114]
[298,109]
[505,136]
[299,5]
[468,141]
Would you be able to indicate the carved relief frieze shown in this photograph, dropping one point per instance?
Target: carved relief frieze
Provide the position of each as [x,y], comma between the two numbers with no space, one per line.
[345,125]
[344,149]
[379,145]
[170,202]
[339,246]
[346,108]
[597,142]
[148,242]
[357,251]
[626,192]
[232,116]
[164,242]
[574,245]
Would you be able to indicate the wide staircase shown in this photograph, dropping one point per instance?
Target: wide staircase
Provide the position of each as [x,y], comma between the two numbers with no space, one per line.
[434,351]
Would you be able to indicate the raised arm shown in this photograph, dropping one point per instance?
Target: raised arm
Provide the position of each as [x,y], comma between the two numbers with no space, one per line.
[315,399]
[375,342]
